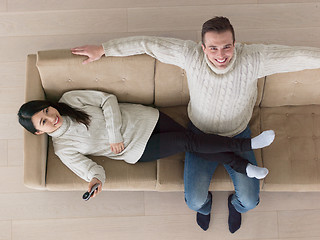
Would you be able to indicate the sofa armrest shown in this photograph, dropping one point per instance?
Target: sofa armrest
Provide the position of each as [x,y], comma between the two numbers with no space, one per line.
[35,147]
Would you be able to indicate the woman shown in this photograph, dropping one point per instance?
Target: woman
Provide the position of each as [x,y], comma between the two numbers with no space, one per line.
[86,122]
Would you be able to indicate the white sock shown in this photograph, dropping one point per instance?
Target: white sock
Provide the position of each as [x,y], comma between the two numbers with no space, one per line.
[263,140]
[255,171]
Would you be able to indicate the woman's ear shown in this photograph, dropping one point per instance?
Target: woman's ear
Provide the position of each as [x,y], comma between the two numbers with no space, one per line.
[38,132]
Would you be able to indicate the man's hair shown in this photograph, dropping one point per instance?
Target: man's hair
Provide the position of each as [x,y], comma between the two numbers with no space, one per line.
[217,24]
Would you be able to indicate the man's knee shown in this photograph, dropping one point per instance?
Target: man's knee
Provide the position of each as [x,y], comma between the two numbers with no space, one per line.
[248,203]
[195,202]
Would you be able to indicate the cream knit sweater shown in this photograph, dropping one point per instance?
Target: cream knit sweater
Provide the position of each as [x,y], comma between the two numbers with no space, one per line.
[221,101]
[110,123]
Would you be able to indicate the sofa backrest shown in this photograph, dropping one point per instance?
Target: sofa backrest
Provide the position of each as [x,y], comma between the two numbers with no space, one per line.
[292,89]
[131,79]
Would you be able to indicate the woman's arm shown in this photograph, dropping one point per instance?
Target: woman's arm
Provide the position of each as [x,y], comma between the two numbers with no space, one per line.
[107,102]
[82,166]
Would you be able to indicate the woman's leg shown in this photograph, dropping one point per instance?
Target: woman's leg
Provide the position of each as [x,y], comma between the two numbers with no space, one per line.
[170,138]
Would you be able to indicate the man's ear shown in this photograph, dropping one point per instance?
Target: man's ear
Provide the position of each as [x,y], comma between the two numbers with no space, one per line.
[203,47]
[38,132]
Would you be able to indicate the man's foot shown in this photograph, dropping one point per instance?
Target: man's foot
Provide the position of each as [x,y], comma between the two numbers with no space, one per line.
[263,140]
[234,219]
[204,220]
[256,172]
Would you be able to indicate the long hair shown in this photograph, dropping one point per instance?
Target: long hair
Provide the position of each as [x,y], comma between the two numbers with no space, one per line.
[28,109]
[217,24]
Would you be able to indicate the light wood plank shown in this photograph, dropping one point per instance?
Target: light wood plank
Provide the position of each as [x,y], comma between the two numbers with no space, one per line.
[10,127]
[3,153]
[60,205]
[304,238]
[259,16]
[14,51]
[12,74]
[162,203]
[5,230]
[11,99]
[65,22]
[15,152]
[272,201]
[3,5]
[302,223]
[11,181]
[40,5]
[292,37]
[153,227]
[285,1]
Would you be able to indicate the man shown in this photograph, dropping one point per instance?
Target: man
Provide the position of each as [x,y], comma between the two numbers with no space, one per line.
[222,79]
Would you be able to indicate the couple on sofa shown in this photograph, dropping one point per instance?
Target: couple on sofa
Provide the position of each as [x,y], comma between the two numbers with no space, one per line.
[222,79]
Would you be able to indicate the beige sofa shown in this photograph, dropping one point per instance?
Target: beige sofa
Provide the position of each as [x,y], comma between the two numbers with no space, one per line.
[288,103]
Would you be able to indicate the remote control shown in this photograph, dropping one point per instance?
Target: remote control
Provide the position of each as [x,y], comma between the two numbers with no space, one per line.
[87,195]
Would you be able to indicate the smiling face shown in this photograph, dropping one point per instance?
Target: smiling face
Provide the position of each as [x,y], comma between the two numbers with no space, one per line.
[219,48]
[47,120]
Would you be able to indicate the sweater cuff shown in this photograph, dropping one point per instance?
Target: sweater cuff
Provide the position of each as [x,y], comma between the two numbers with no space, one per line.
[116,138]
[104,49]
[100,178]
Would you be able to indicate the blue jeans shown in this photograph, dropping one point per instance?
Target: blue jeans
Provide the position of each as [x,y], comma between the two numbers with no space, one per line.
[197,177]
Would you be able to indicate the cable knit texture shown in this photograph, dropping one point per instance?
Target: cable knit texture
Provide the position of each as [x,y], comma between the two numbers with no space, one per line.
[221,101]
[110,123]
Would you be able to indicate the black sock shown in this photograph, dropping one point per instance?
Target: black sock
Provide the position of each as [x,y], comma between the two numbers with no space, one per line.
[234,219]
[204,220]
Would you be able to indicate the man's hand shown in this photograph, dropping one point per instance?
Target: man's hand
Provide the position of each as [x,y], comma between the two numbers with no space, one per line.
[117,147]
[92,183]
[93,52]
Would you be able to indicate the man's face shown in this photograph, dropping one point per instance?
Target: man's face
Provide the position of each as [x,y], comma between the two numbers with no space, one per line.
[219,48]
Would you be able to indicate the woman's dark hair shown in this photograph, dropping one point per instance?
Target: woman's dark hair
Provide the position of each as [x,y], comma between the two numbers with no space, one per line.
[217,24]
[28,109]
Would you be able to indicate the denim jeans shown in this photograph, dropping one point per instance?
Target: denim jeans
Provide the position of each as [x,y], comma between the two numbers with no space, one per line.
[197,177]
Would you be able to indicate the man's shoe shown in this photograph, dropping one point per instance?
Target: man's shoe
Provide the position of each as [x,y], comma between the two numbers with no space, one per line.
[204,220]
[234,219]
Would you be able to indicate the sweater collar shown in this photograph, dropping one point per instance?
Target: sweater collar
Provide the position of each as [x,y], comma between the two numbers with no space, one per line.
[61,130]
[225,70]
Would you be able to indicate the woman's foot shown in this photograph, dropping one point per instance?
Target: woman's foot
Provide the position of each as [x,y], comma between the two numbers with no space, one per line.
[263,140]
[256,172]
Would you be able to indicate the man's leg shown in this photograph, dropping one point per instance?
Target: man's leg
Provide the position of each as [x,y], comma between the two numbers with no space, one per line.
[247,189]
[197,177]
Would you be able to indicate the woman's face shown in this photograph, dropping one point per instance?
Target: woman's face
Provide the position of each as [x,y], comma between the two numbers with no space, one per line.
[47,120]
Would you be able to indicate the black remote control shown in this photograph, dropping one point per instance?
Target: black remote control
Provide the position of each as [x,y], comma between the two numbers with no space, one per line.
[87,195]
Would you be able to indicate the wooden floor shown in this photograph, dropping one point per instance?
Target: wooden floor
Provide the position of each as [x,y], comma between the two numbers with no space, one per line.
[27,26]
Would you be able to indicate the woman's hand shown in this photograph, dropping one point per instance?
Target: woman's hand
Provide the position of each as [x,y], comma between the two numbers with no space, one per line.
[117,147]
[92,183]
[93,52]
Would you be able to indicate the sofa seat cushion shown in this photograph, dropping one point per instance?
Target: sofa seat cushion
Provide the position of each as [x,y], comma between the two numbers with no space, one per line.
[294,158]
[119,174]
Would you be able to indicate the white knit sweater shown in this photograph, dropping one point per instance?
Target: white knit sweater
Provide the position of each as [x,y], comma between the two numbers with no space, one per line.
[221,101]
[110,123]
